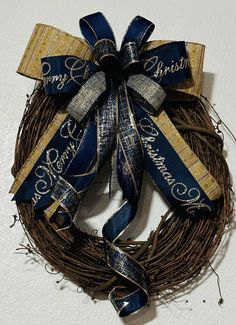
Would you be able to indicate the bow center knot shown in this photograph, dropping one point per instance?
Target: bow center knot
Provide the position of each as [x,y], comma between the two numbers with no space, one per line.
[117,65]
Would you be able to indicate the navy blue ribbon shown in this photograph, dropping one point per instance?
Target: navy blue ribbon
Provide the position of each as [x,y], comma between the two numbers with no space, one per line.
[65,73]
[114,117]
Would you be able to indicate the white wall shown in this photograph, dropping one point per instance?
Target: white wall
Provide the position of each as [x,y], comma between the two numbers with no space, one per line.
[28,294]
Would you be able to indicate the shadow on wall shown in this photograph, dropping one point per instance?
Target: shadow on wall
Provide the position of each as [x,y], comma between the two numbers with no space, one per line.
[143,316]
[208,84]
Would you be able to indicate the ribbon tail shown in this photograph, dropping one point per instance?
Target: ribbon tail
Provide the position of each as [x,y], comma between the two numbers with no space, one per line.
[94,149]
[128,268]
[169,161]
[174,168]
[130,171]
[50,159]
[68,189]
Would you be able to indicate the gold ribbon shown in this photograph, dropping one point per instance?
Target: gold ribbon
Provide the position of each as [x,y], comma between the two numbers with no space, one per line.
[204,178]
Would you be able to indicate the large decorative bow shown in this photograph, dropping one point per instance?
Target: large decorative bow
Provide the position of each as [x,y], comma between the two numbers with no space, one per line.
[115,111]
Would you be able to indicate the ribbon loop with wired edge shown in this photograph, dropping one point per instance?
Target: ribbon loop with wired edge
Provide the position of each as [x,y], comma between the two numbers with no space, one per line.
[137,34]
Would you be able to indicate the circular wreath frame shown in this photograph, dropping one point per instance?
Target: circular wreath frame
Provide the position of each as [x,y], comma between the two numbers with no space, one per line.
[179,248]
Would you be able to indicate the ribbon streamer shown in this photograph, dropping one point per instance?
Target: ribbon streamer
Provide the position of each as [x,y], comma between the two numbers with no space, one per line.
[114,110]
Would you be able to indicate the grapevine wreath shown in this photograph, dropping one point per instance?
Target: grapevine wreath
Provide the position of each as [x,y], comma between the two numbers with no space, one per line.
[141,110]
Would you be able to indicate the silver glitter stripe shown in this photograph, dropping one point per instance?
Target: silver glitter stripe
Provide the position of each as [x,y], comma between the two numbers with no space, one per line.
[147,91]
[87,96]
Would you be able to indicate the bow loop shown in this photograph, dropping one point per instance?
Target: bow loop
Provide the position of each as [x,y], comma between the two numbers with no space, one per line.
[130,58]
[87,96]
[104,48]
[95,27]
[146,92]
[139,31]
[136,36]
[99,35]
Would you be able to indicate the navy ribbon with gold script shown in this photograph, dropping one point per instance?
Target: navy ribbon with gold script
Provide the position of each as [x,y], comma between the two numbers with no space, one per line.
[111,111]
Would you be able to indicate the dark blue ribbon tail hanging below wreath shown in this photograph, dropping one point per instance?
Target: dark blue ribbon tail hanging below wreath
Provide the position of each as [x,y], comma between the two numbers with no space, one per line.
[111,113]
